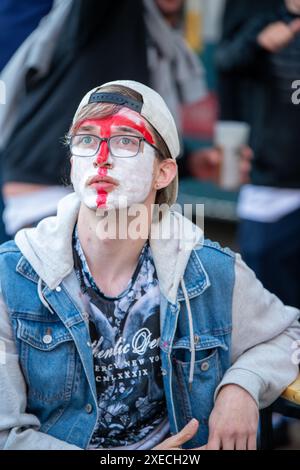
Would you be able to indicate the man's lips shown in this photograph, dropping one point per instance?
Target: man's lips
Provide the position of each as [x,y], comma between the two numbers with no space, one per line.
[101,180]
[102,183]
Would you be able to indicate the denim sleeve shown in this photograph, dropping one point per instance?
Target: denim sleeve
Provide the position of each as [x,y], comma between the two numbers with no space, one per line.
[264,339]
[19,430]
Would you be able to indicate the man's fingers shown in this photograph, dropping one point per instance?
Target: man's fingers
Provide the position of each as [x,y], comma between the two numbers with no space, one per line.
[252,442]
[180,438]
[213,444]
[241,444]
[278,35]
[246,152]
[295,26]
[185,434]
[228,444]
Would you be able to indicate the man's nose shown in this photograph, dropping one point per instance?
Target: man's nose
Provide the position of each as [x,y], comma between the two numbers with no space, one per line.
[103,157]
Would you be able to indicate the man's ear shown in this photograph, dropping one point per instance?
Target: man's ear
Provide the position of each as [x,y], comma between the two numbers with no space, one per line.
[167,171]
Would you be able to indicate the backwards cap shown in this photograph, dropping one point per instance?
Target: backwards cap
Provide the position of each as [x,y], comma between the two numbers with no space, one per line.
[153,108]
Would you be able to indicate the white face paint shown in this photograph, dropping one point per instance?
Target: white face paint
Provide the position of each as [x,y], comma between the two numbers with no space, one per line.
[133,176]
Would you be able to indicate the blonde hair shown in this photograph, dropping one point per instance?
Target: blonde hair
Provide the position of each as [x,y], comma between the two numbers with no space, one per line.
[103,110]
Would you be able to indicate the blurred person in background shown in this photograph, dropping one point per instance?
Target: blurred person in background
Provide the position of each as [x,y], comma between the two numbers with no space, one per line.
[177,73]
[175,70]
[239,89]
[53,68]
[17,21]
[263,52]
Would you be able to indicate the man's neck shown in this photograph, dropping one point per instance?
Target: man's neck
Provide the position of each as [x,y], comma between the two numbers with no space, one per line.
[112,261]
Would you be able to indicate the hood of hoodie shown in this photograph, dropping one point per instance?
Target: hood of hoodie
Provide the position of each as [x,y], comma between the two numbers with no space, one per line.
[48,247]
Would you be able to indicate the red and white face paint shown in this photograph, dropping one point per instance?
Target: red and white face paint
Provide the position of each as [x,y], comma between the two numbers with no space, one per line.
[115,183]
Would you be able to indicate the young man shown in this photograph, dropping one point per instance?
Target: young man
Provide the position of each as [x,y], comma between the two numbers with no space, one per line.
[113,341]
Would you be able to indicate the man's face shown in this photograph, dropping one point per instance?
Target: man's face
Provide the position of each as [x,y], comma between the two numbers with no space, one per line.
[105,181]
[293,6]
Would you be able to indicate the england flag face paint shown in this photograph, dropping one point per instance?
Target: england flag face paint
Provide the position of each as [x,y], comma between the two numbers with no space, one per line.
[104,181]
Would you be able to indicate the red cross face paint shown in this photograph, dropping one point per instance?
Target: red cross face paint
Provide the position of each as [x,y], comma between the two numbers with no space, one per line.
[114,183]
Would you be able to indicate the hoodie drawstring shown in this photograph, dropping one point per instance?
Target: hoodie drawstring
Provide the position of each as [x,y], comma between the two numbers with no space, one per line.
[41,297]
[191,329]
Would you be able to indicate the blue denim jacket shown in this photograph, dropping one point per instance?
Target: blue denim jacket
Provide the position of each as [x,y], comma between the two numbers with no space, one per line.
[56,357]
[218,326]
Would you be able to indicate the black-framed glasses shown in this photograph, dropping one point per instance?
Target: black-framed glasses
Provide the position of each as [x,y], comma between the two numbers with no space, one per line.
[120,146]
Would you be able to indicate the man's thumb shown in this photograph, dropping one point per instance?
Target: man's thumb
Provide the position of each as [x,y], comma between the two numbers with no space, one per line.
[186,433]
[295,26]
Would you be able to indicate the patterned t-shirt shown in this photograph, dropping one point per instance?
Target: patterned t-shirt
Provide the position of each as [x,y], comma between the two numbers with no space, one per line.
[125,341]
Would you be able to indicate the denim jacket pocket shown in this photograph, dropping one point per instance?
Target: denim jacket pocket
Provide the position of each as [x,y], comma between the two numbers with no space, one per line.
[196,401]
[47,355]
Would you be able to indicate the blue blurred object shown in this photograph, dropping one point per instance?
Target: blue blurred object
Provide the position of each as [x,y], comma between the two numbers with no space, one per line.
[17,21]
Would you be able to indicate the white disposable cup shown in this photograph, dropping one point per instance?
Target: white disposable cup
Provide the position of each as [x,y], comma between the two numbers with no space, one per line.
[230,136]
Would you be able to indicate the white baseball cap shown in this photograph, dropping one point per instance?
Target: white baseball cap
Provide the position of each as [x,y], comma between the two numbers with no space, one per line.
[153,108]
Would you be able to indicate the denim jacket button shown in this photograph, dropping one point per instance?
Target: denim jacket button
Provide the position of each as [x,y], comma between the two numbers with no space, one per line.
[47,339]
[205,366]
[88,408]
[58,289]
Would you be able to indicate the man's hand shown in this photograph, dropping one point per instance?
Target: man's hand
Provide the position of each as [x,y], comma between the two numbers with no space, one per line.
[232,424]
[245,164]
[206,164]
[278,35]
[175,442]
[234,420]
